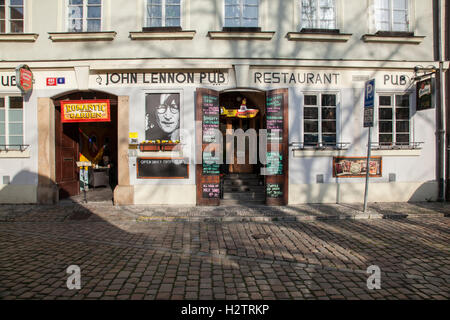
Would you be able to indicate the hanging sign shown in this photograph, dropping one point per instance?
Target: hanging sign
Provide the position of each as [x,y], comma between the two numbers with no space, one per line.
[424,92]
[24,78]
[85,111]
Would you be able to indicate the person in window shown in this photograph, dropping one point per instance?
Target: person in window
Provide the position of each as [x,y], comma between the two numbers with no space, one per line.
[162,117]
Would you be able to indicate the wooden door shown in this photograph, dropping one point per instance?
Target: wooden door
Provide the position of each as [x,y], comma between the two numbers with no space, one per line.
[277,181]
[66,155]
[207,115]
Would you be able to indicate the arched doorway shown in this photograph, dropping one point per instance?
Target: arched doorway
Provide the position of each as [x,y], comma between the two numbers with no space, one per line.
[86,140]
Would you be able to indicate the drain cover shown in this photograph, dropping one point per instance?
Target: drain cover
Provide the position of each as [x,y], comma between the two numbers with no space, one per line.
[260,236]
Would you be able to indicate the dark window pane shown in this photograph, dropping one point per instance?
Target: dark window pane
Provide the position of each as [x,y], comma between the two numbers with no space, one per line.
[17,26]
[385,113]
[385,126]
[328,100]
[329,126]
[2,12]
[402,139]
[385,100]
[402,126]
[78,2]
[94,12]
[94,1]
[2,102]
[402,100]
[329,113]
[311,113]
[93,25]
[311,139]
[311,100]
[15,102]
[2,26]
[2,2]
[402,113]
[329,139]
[385,138]
[16,2]
[311,126]
[16,13]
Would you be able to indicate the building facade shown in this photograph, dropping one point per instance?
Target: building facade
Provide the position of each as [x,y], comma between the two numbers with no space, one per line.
[174,77]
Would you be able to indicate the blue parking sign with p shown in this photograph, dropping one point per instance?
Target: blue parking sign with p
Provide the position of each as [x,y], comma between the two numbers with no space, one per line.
[369,94]
[369,103]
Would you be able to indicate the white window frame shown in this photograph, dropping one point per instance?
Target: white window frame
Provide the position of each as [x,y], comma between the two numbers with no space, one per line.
[163,15]
[336,13]
[410,20]
[318,94]
[393,95]
[84,18]
[7,122]
[8,17]
[241,9]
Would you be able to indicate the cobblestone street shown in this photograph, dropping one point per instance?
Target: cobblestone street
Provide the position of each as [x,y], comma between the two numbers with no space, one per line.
[165,253]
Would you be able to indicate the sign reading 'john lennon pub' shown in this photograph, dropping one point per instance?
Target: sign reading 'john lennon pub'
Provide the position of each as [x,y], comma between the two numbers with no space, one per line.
[85,111]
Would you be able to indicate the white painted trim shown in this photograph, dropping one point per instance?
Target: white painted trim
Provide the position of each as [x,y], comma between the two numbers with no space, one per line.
[82,36]
[299,36]
[15,154]
[397,153]
[305,153]
[18,37]
[404,40]
[175,35]
[222,35]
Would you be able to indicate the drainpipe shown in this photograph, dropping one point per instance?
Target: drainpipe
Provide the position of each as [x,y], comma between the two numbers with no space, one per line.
[441,129]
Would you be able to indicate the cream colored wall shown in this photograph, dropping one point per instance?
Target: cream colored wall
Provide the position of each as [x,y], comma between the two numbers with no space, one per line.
[165,194]
[14,193]
[207,15]
[354,192]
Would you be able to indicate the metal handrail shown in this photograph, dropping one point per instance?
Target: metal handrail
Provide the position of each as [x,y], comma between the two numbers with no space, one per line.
[10,147]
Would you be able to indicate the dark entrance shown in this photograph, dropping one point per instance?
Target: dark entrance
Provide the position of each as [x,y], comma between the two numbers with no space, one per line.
[242,183]
[86,141]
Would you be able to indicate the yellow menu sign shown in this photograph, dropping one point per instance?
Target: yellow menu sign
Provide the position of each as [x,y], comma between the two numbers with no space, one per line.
[85,111]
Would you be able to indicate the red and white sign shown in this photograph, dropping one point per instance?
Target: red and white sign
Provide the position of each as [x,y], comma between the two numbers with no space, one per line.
[25,78]
[51,82]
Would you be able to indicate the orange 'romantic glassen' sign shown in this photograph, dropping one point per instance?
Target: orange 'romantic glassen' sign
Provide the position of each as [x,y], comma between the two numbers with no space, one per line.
[85,111]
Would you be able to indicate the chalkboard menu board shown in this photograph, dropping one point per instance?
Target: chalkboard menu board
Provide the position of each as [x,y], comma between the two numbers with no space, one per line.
[274,164]
[274,190]
[211,191]
[211,166]
[162,168]
[210,121]
[275,121]
[208,171]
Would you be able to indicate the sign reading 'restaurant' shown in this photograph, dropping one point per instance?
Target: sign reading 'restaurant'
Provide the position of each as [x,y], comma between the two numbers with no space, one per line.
[85,111]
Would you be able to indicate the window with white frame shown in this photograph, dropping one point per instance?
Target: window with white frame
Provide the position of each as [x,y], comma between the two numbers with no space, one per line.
[318,14]
[11,122]
[84,15]
[392,15]
[241,13]
[319,119]
[163,13]
[11,16]
[393,119]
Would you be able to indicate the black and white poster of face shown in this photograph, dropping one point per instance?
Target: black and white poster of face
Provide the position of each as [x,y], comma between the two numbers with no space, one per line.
[162,116]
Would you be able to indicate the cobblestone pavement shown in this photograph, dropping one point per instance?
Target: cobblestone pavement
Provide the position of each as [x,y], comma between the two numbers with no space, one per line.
[136,253]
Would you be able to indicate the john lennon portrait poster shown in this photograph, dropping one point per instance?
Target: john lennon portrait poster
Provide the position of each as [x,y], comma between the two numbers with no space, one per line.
[162,116]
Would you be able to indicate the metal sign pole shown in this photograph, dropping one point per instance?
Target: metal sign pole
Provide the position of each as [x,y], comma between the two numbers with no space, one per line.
[366,192]
[369,105]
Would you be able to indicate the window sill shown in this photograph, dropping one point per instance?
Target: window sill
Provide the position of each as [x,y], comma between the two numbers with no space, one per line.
[317,36]
[18,37]
[162,35]
[392,39]
[82,36]
[15,154]
[241,35]
[312,153]
[396,152]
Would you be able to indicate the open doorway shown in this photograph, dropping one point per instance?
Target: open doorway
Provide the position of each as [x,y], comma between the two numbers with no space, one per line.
[88,142]
[242,183]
